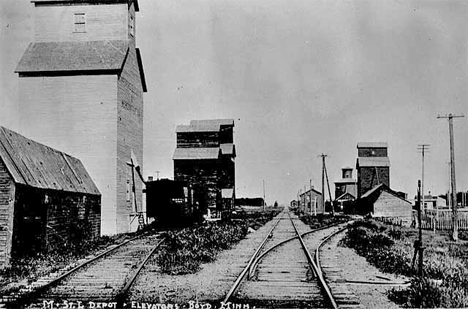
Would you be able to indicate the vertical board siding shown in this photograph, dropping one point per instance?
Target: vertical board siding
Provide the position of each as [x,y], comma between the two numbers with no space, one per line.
[77,115]
[103,22]
[7,198]
[129,136]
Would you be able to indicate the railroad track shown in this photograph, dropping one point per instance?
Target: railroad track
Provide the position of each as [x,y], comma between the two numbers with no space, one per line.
[104,279]
[283,273]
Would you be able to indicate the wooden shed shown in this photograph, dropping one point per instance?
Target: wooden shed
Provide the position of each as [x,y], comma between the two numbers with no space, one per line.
[381,201]
[47,198]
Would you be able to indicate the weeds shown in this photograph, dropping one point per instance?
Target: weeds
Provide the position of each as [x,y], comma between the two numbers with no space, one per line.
[445,280]
[184,252]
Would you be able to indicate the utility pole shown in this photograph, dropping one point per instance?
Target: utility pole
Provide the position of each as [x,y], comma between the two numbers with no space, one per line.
[423,148]
[324,174]
[157,175]
[310,184]
[264,195]
[452,174]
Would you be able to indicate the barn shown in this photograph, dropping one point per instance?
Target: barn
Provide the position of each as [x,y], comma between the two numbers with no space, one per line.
[47,198]
[381,201]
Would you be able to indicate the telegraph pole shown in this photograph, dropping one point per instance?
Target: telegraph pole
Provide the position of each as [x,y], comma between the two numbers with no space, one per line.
[452,174]
[324,174]
[423,148]
[264,195]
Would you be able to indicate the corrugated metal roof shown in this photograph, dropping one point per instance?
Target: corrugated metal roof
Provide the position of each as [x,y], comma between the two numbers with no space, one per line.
[196,153]
[372,145]
[227,193]
[36,165]
[222,122]
[373,161]
[137,8]
[73,56]
[227,149]
[198,128]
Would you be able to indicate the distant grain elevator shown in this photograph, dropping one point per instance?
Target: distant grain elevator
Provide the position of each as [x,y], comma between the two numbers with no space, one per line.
[81,91]
[205,157]
[372,165]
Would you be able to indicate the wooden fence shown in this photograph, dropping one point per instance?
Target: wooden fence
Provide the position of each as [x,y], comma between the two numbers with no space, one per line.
[442,219]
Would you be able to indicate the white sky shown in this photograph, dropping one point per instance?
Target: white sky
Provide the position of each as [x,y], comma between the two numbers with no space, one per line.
[300,77]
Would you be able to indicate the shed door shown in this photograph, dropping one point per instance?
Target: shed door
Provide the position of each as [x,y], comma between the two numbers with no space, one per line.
[30,227]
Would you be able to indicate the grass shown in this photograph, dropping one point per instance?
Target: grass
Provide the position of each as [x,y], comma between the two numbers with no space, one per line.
[183,252]
[390,249]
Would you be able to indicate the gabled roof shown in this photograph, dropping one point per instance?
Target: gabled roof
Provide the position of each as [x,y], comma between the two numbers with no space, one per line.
[222,122]
[73,56]
[307,192]
[373,162]
[33,164]
[372,145]
[137,8]
[198,128]
[196,153]
[346,196]
[228,149]
[373,193]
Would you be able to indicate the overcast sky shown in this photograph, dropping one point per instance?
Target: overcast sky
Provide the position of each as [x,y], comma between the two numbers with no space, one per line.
[300,78]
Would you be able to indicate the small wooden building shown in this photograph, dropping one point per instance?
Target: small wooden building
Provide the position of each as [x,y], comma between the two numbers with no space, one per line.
[381,201]
[46,198]
[311,202]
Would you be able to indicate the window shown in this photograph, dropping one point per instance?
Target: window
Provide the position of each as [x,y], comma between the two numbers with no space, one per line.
[79,22]
[131,25]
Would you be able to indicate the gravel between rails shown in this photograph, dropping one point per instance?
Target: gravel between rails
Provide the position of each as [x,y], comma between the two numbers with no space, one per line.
[212,282]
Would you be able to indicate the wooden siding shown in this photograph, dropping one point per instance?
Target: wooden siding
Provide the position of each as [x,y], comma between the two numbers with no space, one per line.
[129,136]
[388,205]
[49,219]
[7,198]
[103,22]
[367,178]
[198,139]
[78,115]
[307,203]
[367,152]
[202,175]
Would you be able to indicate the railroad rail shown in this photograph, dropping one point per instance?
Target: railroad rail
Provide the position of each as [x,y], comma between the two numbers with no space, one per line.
[268,280]
[105,278]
